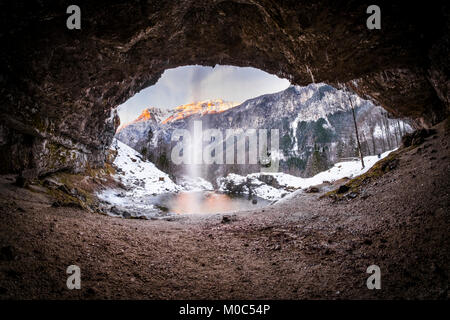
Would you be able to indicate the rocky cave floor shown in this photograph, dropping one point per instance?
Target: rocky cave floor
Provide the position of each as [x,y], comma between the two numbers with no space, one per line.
[306,247]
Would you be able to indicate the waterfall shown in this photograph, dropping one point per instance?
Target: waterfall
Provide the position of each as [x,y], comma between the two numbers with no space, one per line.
[193,168]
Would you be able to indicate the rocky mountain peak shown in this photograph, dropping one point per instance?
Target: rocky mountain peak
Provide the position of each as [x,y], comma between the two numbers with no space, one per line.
[199,108]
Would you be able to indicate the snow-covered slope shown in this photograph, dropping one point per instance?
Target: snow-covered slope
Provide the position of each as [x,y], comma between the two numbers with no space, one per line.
[142,175]
[285,183]
[142,182]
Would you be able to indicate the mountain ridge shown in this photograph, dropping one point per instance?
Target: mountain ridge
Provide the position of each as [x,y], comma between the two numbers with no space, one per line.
[315,124]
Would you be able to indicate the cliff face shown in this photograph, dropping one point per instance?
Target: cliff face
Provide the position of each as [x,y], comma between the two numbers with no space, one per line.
[315,124]
[58,86]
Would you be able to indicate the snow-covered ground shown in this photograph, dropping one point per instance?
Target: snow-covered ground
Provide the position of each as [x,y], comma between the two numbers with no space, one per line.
[143,182]
[143,176]
[288,182]
[194,184]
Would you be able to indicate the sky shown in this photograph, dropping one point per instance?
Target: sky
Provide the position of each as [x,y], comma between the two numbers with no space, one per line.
[188,84]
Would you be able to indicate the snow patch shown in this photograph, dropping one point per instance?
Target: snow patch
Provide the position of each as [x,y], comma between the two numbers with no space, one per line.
[195,184]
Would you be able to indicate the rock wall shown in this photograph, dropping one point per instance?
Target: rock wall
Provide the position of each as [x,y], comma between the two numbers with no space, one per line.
[58,86]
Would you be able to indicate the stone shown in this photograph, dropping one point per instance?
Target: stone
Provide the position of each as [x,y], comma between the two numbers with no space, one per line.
[312,190]
[351,195]
[126,214]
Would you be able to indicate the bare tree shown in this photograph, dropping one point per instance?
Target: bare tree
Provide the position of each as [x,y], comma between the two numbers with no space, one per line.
[356,130]
[372,134]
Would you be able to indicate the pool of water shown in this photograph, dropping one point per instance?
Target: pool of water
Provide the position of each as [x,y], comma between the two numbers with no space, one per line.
[208,203]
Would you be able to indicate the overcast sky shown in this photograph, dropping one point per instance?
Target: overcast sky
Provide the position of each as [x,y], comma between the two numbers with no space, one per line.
[197,83]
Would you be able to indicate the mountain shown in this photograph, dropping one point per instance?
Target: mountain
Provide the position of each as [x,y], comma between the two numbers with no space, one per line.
[199,108]
[315,126]
[139,131]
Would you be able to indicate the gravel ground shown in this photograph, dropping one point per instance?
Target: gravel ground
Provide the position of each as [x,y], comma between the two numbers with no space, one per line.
[302,248]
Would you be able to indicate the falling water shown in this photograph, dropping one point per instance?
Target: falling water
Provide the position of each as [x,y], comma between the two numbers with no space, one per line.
[195,152]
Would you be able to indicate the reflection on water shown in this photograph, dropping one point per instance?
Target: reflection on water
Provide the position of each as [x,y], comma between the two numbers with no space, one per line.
[210,202]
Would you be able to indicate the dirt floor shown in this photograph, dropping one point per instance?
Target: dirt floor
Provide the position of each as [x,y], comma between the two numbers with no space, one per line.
[302,248]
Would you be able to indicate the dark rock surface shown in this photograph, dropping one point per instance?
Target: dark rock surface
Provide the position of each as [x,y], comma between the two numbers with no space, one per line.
[58,86]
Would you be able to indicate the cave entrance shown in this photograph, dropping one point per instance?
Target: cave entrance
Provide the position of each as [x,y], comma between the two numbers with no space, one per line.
[224,139]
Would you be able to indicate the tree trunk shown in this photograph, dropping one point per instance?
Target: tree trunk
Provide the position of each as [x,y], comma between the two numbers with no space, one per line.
[356,130]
